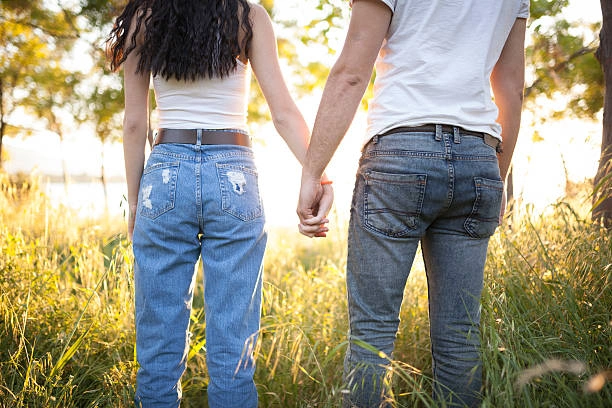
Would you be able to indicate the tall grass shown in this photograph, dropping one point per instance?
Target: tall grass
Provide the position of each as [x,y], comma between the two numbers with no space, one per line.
[67,338]
[548,314]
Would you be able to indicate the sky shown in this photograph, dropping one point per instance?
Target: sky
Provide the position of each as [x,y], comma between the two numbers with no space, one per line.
[569,146]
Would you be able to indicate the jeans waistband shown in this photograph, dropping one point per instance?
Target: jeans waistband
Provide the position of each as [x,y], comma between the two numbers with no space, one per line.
[488,139]
[206,137]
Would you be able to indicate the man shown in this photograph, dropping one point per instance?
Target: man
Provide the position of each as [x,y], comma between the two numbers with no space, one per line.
[431,171]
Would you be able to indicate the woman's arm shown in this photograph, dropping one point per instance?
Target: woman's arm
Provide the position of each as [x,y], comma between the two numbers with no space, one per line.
[286,117]
[135,128]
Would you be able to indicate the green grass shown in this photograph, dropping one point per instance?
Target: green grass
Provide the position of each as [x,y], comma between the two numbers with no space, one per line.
[67,337]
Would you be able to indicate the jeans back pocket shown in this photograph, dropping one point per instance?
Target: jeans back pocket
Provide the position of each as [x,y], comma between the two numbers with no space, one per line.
[484,219]
[239,191]
[393,202]
[158,189]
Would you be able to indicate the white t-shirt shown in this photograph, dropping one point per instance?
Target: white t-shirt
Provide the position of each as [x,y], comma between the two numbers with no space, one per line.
[435,64]
[217,103]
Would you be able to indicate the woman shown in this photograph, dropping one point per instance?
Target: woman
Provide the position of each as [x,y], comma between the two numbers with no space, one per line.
[198,193]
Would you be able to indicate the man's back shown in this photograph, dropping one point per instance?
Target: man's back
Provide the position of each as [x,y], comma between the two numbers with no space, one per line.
[435,63]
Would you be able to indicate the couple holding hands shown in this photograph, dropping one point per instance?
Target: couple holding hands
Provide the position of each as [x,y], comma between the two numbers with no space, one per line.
[448,90]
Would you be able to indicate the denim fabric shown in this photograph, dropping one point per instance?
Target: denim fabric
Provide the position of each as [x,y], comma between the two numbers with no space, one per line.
[443,190]
[198,201]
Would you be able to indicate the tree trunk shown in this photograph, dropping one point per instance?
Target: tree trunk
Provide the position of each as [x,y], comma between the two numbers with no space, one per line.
[602,210]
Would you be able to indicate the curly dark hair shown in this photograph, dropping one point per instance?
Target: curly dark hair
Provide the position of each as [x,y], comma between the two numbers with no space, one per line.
[184,39]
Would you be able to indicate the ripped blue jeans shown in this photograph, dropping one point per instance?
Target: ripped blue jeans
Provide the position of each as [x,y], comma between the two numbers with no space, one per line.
[442,190]
[198,201]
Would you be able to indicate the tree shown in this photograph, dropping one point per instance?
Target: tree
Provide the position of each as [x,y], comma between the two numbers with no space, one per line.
[33,39]
[561,65]
[602,210]
[36,36]
[102,95]
[566,63]
[103,108]
[36,43]
[51,97]
[307,43]
[562,62]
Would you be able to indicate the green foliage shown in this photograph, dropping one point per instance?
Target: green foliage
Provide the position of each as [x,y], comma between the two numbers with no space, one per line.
[562,60]
[36,39]
[36,42]
[32,41]
[49,93]
[540,8]
[102,101]
[309,44]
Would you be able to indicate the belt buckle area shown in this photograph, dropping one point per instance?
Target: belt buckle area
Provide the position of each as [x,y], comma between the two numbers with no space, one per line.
[209,136]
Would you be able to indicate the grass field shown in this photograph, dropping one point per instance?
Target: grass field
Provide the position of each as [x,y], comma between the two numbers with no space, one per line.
[67,333]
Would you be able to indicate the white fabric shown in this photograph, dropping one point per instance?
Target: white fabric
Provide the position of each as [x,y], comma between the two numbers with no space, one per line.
[206,103]
[436,61]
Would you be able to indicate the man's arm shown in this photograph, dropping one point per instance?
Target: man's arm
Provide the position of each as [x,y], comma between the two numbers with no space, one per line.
[507,82]
[343,91]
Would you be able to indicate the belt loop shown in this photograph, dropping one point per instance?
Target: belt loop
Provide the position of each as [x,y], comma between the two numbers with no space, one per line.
[438,132]
[198,137]
[456,135]
[375,139]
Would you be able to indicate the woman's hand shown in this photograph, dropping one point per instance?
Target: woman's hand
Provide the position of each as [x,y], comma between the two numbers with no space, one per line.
[131,218]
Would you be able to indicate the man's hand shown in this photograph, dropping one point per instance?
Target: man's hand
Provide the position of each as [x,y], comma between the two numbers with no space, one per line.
[314,203]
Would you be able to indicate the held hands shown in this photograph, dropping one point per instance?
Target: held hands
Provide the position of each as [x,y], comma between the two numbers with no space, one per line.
[315,201]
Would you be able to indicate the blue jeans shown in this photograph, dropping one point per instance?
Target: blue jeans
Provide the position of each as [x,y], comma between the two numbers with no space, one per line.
[198,201]
[442,189]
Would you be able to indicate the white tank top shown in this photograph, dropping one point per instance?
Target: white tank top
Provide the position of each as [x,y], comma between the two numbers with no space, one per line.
[205,103]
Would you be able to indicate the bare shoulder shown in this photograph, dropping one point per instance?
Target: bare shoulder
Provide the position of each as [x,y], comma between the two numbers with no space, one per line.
[258,14]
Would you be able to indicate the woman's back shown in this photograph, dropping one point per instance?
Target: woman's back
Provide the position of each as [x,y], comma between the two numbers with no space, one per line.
[205,103]
[197,196]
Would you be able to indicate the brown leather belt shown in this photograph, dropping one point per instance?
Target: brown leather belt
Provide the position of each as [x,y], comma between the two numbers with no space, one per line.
[488,139]
[209,137]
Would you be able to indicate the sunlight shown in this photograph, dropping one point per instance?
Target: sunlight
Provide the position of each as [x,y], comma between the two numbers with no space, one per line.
[569,149]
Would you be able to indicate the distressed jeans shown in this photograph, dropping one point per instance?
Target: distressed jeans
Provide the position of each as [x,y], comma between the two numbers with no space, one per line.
[442,189]
[198,201]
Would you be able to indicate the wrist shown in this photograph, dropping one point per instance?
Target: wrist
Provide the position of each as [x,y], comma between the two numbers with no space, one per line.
[312,177]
